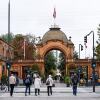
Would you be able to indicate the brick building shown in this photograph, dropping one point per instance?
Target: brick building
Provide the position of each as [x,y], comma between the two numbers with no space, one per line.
[6,52]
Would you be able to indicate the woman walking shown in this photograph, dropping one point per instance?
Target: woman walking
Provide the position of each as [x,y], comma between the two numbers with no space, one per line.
[37,85]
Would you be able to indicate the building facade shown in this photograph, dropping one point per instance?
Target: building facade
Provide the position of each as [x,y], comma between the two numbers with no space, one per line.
[6,52]
[55,39]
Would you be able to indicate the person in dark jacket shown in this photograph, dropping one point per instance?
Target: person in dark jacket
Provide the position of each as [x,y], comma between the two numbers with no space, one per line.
[27,82]
[74,83]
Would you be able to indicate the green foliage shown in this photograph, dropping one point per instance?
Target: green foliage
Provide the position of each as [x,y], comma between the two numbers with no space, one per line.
[67,80]
[62,61]
[98,52]
[75,56]
[7,38]
[18,43]
[35,68]
[4,79]
[50,62]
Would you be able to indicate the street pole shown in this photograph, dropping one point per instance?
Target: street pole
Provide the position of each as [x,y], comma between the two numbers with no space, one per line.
[79,51]
[8,20]
[8,38]
[93,60]
[93,67]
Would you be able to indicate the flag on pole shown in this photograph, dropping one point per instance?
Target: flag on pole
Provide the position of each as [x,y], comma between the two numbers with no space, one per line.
[54,13]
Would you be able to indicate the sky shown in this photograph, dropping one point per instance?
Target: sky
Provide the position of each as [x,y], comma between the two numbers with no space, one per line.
[76,18]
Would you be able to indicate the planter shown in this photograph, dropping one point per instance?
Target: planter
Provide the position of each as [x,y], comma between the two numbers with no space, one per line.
[67,85]
[67,81]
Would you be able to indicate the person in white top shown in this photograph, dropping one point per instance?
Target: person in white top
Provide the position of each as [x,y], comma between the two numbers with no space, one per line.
[12,82]
[49,83]
[37,85]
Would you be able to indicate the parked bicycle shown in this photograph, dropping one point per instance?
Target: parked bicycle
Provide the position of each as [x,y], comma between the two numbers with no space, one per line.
[3,87]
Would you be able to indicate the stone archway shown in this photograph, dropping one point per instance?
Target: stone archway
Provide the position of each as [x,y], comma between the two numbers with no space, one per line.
[55,39]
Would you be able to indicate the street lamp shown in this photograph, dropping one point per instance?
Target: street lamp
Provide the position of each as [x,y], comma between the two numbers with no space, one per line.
[93,64]
[8,63]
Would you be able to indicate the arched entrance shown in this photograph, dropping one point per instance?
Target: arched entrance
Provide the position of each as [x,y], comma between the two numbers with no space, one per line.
[54,60]
[55,39]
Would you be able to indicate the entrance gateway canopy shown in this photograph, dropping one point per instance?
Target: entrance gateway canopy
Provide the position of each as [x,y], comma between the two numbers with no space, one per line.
[55,39]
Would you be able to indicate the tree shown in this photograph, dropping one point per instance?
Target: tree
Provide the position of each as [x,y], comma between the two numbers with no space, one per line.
[18,44]
[97,50]
[35,68]
[62,61]
[75,55]
[7,38]
[50,63]
[21,43]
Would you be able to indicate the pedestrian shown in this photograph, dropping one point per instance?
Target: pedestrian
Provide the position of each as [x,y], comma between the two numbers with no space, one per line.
[27,82]
[74,83]
[49,83]
[37,85]
[12,82]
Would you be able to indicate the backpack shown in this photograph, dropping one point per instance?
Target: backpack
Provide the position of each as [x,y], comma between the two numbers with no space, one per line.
[48,82]
[75,81]
[27,81]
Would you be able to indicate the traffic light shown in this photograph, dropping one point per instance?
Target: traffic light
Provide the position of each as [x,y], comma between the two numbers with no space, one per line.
[8,64]
[93,64]
[81,47]
[85,39]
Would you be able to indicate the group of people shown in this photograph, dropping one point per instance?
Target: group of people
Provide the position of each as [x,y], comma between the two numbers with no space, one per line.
[28,81]
[37,84]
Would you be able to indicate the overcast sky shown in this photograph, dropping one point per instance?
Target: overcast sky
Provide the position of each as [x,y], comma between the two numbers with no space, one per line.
[76,18]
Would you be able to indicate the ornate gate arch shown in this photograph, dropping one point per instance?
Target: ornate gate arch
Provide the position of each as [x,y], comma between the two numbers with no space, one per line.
[54,39]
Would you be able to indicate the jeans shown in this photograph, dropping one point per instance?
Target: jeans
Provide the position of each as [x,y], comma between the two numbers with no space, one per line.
[27,88]
[49,90]
[74,89]
[11,89]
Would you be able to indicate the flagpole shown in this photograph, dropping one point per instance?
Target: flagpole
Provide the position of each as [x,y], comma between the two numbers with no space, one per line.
[8,58]
[54,16]
[8,20]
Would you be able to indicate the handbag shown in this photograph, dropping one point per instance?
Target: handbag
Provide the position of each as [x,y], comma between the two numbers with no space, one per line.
[53,85]
[48,82]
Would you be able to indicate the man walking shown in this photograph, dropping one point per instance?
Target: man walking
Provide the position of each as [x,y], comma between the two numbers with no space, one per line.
[74,83]
[12,82]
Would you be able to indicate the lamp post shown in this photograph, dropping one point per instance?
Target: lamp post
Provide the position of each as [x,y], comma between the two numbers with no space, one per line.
[93,64]
[8,63]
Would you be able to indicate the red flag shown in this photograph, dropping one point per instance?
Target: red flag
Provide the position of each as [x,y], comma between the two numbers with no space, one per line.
[54,13]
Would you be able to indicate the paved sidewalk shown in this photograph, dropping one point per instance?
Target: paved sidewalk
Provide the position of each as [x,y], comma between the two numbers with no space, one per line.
[59,88]
[60,92]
